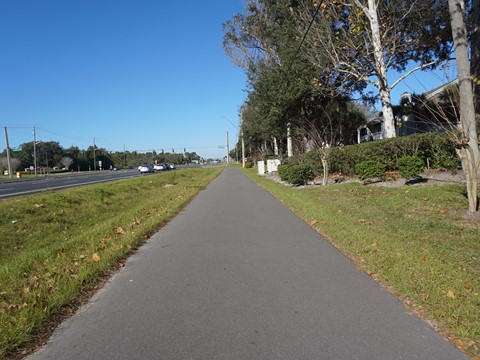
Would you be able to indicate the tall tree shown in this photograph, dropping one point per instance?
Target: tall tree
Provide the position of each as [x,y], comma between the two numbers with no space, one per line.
[367,39]
[284,86]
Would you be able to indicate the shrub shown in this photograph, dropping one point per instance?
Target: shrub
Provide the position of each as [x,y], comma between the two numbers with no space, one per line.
[410,166]
[370,169]
[296,174]
[436,147]
[311,159]
[249,164]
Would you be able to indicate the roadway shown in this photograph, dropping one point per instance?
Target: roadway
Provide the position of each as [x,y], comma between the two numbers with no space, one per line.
[27,186]
[238,276]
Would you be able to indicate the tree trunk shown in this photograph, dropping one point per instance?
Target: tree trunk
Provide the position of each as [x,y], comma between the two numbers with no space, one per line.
[387,110]
[470,152]
[289,141]
[475,57]
[381,70]
[325,171]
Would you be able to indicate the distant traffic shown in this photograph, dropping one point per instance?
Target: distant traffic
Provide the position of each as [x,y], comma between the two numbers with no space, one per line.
[150,168]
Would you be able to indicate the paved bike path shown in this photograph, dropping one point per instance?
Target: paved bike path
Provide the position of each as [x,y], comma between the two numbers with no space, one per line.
[236,275]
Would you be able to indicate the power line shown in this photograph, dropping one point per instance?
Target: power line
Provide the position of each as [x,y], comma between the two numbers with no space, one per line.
[67,136]
[305,35]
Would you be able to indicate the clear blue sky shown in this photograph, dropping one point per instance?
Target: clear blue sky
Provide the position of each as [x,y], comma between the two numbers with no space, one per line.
[144,74]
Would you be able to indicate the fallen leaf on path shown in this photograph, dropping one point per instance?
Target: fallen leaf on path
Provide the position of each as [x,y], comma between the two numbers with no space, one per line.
[451,294]
[313,223]
[96,257]
[119,230]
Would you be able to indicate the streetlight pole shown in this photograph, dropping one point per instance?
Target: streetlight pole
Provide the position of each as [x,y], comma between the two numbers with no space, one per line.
[243,143]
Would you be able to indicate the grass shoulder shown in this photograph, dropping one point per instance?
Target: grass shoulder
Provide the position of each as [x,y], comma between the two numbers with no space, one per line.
[415,240]
[56,246]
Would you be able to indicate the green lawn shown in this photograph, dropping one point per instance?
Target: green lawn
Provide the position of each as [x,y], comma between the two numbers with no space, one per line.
[415,240]
[56,246]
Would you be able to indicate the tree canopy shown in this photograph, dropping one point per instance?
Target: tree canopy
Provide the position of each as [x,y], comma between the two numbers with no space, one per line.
[303,53]
[51,154]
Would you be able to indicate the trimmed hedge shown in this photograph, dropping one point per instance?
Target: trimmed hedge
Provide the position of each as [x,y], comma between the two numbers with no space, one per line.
[296,174]
[434,149]
[410,166]
[370,170]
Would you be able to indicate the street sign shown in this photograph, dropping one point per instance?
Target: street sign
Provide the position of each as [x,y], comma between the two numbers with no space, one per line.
[16,149]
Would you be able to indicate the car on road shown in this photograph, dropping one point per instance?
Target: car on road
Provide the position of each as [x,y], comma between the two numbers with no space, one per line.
[159,167]
[146,168]
[171,166]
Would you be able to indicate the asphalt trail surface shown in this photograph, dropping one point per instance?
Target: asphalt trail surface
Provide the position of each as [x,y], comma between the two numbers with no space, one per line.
[238,276]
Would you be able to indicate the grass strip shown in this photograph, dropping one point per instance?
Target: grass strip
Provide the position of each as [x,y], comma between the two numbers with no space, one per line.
[54,246]
[415,240]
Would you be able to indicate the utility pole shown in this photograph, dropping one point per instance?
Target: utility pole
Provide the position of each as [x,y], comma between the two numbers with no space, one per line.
[124,156]
[35,150]
[243,152]
[236,151]
[243,143]
[8,153]
[228,150]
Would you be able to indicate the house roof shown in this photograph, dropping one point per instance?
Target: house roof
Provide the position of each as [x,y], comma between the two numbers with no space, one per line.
[438,90]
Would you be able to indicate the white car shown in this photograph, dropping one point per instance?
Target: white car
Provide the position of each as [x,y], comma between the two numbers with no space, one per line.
[159,167]
[145,168]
